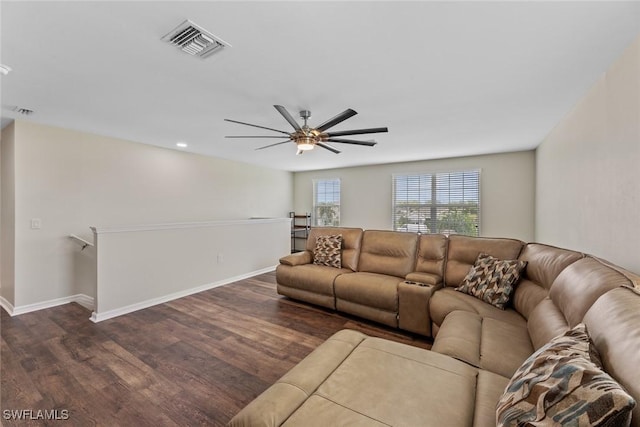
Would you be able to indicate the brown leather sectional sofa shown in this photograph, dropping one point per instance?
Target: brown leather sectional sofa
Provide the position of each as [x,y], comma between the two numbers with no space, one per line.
[408,281]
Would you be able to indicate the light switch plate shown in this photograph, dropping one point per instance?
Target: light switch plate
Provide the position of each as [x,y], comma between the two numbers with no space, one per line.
[36,223]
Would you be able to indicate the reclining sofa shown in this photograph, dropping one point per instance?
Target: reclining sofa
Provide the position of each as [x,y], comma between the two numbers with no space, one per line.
[479,351]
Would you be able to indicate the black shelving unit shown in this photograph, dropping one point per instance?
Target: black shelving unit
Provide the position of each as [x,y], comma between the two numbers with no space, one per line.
[300,226]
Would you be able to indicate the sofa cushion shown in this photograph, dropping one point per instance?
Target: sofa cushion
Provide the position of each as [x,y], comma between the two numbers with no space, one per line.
[496,346]
[504,346]
[492,280]
[356,380]
[351,241]
[489,389]
[328,251]
[562,383]
[546,322]
[370,289]
[432,251]
[575,290]
[378,315]
[459,336]
[613,322]
[309,282]
[544,263]
[464,250]
[447,300]
[319,411]
[395,384]
[388,252]
[372,296]
[579,285]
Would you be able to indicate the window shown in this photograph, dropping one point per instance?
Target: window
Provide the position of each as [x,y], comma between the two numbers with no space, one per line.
[326,202]
[446,203]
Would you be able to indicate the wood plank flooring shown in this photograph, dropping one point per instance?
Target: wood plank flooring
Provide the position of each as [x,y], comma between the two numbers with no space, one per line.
[193,361]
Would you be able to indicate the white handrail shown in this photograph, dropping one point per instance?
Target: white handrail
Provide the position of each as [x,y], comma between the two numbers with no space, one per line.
[81,241]
[185,225]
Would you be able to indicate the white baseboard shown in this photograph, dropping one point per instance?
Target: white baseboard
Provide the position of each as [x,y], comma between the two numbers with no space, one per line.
[8,307]
[99,317]
[82,299]
[89,302]
[86,301]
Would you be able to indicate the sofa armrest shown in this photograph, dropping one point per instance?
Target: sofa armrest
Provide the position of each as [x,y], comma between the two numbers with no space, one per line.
[299,258]
[413,306]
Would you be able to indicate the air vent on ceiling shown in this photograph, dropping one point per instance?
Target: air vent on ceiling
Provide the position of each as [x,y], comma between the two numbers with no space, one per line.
[195,40]
[19,110]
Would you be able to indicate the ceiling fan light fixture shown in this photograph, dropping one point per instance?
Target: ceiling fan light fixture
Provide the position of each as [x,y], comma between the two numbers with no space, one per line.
[305,143]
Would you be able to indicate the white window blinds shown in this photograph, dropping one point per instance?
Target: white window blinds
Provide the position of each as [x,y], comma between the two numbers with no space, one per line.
[444,202]
[326,202]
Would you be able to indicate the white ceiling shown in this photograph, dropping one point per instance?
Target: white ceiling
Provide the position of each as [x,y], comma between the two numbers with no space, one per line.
[447,78]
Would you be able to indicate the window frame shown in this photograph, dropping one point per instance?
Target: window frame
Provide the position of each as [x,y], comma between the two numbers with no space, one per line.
[435,208]
[337,206]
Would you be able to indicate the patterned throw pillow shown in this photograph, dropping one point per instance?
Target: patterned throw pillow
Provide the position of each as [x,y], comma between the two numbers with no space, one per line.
[492,280]
[562,384]
[328,251]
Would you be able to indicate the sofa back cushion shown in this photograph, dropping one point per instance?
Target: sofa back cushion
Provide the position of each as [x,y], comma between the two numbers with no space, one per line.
[546,321]
[464,250]
[613,323]
[432,250]
[351,241]
[544,263]
[388,252]
[579,285]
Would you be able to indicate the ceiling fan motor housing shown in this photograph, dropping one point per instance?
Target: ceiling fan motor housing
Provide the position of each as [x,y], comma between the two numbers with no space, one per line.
[305,114]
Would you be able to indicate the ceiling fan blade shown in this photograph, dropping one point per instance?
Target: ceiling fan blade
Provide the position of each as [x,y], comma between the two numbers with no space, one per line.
[351,141]
[273,145]
[288,117]
[357,132]
[256,126]
[254,136]
[328,147]
[337,119]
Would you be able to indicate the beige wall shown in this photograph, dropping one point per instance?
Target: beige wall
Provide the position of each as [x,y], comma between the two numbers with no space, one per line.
[507,191]
[73,180]
[588,185]
[180,259]
[7,212]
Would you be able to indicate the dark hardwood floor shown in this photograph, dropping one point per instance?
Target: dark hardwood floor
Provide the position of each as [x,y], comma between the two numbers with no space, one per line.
[193,361]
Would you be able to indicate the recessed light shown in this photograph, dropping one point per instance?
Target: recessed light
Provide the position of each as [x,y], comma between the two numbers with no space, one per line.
[182,144]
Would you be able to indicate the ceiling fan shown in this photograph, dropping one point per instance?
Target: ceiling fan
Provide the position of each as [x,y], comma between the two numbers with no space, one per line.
[306,137]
